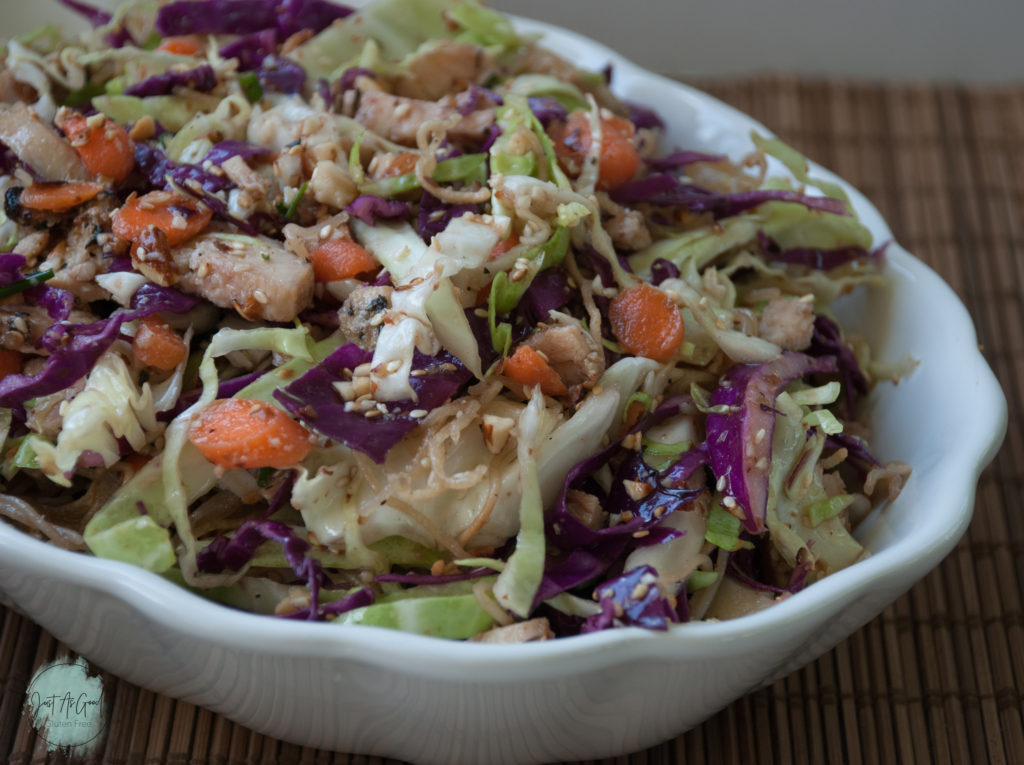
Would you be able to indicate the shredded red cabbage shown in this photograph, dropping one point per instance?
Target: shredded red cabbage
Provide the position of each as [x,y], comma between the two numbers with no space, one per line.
[740,442]
[95,16]
[281,75]
[202,78]
[187,17]
[827,340]
[314,401]
[368,208]
[251,49]
[633,600]
[666,190]
[822,260]
[225,150]
[679,159]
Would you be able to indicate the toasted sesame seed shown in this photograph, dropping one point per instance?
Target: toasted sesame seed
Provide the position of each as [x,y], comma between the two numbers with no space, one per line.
[203,270]
[659,511]
[418,373]
[640,534]
[640,591]
[372,414]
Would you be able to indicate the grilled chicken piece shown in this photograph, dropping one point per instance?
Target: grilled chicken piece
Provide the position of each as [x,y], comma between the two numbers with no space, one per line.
[524,632]
[571,352]
[254,275]
[86,252]
[446,68]
[39,146]
[787,323]
[356,316]
[398,118]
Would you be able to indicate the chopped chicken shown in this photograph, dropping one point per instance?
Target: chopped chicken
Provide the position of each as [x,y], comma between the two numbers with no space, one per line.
[529,631]
[357,315]
[571,351]
[255,276]
[443,69]
[398,118]
[787,323]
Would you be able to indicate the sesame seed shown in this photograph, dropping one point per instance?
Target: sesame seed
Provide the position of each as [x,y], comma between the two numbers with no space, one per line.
[326,231]
[392,366]
[640,534]
[261,297]
[95,121]
[418,413]
[659,511]
[728,502]
[720,485]
[418,373]
[382,407]
[204,270]
[640,591]
[372,414]
[759,436]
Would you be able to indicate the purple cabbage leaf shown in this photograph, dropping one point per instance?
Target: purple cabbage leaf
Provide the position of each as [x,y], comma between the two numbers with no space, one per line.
[633,600]
[739,442]
[314,400]
[202,78]
[664,189]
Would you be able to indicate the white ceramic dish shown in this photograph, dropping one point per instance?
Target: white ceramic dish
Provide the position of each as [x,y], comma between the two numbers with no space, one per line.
[368,690]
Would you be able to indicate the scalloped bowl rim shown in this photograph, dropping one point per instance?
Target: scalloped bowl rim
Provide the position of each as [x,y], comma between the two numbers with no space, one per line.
[180,611]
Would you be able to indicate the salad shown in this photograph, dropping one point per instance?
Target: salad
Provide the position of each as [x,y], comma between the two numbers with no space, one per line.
[391,316]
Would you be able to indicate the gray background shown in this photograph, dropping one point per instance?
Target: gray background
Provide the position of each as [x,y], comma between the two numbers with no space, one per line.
[896,40]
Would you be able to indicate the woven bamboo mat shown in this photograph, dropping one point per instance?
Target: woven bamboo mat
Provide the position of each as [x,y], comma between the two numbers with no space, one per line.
[939,676]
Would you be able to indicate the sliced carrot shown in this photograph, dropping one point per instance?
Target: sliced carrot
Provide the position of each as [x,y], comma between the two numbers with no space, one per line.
[504,246]
[183,45]
[342,258]
[58,197]
[646,322]
[237,433]
[180,217]
[619,160]
[157,345]
[528,368]
[103,145]
[11,363]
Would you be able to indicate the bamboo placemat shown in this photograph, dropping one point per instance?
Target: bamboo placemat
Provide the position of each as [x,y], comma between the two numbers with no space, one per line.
[939,676]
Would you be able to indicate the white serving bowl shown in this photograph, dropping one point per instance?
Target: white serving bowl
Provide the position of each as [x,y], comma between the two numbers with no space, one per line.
[375,691]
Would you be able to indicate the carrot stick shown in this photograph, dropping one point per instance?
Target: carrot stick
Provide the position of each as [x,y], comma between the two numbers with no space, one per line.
[619,160]
[103,145]
[157,345]
[646,322]
[183,45]
[528,368]
[180,217]
[342,258]
[58,197]
[237,433]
